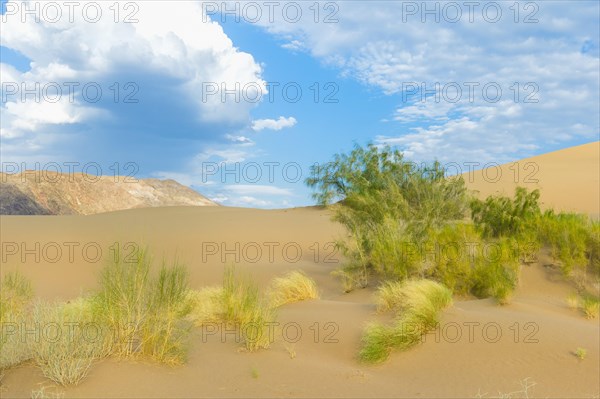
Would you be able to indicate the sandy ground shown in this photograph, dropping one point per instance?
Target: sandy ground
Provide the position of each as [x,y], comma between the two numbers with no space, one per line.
[480,348]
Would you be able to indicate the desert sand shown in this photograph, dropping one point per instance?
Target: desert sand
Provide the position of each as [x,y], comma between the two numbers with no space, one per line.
[497,347]
[569,179]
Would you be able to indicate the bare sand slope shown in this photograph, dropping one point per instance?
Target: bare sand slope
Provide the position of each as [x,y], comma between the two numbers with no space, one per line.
[533,337]
[569,179]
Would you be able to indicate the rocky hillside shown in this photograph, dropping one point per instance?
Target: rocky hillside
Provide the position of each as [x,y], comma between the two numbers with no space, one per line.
[51,193]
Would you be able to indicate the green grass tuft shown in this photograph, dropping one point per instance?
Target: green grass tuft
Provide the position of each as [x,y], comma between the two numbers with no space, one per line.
[146,314]
[417,303]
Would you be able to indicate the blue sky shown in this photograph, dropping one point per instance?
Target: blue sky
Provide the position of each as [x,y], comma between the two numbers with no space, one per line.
[372,60]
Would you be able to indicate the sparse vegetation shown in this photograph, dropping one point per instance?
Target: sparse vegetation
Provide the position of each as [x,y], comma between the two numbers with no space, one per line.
[245,308]
[572,301]
[42,393]
[417,303]
[15,298]
[590,306]
[206,304]
[293,287]
[145,313]
[239,304]
[64,347]
[581,353]
[291,350]
[524,393]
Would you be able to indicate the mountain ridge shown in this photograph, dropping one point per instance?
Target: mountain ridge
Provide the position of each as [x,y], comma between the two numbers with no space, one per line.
[54,193]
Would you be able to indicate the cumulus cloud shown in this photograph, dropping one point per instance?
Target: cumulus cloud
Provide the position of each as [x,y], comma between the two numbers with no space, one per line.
[273,124]
[173,61]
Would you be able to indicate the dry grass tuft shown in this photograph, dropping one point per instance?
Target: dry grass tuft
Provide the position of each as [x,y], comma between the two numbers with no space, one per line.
[15,297]
[293,287]
[66,343]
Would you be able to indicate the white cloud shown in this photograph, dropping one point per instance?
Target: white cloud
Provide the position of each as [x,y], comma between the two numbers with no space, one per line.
[170,46]
[242,140]
[294,45]
[272,124]
[558,53]
[256,189]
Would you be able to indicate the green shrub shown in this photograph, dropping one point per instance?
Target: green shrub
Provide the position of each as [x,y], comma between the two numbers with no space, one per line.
[451,254]
[498,276]
[378,183]
[568,236]
[593,247]
[393,253]
[501,216]
[417,303]
[384,199]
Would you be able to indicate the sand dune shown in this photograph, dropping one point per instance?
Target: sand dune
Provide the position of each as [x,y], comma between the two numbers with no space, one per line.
[538,333]
[569,179]
[322,369]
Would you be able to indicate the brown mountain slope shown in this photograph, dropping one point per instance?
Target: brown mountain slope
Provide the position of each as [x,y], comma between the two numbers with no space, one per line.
[79,194]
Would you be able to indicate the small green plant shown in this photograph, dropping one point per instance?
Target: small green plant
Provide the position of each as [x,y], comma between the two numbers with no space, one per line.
[417,303]
[590,306]
[254,373]
[581,353]
[293,287]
